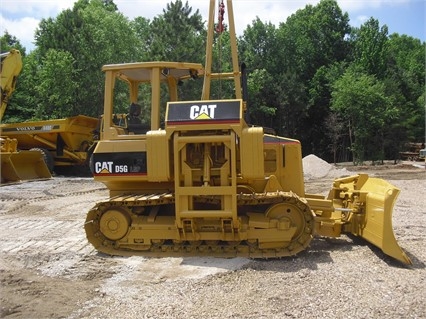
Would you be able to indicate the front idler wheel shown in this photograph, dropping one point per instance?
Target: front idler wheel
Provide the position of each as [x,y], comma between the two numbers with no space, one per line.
[114,224]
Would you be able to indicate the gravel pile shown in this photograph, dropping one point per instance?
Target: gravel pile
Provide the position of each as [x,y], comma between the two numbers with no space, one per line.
[315,167]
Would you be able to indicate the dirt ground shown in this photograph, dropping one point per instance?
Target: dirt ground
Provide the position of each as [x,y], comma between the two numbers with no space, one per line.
[48,270]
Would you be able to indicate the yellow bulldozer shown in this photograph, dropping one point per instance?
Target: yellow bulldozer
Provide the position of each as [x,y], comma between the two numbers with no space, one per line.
[16,165]
[205,182]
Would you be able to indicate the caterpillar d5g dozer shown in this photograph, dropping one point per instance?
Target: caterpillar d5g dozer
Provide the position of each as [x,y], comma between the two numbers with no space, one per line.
[16,165]
[207,183]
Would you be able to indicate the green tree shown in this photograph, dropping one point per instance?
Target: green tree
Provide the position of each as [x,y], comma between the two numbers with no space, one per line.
[258,84]
[258,48]
[324,138]
[90,35]
[311,39]
[405,78]
[258,45]
[8,41]
[335,128]
[362,101]
[370,47]
[58,87]
[177,34]
[142,29]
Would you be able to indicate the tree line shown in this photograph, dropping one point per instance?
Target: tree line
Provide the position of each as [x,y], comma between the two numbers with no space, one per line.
[348,94]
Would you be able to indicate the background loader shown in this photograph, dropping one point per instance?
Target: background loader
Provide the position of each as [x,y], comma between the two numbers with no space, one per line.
[16,165]
[63,144]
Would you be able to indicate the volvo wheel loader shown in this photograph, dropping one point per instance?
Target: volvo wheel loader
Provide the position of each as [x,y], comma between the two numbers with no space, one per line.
[205,182]
[16,165]
[34,149]
[64,142]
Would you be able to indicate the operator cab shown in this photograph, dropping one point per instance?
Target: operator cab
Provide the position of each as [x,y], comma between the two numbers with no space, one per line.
[146,84]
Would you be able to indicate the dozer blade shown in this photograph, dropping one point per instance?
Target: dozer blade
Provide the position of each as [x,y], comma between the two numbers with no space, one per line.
[23,166]
[378,198]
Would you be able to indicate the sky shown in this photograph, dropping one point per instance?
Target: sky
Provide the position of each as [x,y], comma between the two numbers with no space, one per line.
[21,17]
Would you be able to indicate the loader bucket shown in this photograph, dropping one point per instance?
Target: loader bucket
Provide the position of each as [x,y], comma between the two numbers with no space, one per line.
[378,198]
[22,166]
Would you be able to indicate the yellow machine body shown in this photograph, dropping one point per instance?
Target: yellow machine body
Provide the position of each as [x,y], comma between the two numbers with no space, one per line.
[16,165]
[205,182]
[65,140]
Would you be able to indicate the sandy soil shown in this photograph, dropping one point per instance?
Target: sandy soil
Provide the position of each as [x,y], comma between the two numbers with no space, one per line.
[48,270]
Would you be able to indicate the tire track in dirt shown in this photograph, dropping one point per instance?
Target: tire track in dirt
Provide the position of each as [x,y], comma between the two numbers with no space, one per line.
[26,235]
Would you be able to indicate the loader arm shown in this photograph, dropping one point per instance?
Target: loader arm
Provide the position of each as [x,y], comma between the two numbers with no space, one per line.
[11,66]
